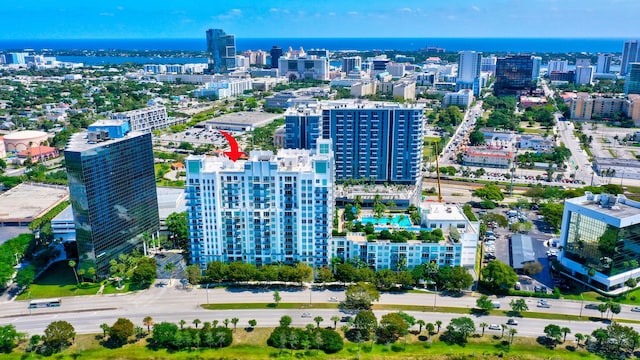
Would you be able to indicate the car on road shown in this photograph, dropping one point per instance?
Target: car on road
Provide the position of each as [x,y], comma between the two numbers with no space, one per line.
[544,305]
[306,315]
[333,299]
[636,309]
[495,327]
[512,322]
[345,319]
[595,307]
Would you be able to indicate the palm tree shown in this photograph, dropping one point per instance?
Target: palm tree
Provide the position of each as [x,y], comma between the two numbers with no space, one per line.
[565,330]
[215,323]
[234,321]
[253,323]
[196,322]
[429,327]
[335,320]
[182,322]
[81,272]
[92,272]
[226,323]
[105,329]
[309,327]
[504,327]
[318,320]
[512,333]
[438,324]
[579,337]
[72,265]
[483,325]
[148,322]
[421,323]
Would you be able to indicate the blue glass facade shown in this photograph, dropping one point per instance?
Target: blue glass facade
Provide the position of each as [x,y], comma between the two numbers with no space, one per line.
[380,143]
[221,48]
[113,195]
[514,75]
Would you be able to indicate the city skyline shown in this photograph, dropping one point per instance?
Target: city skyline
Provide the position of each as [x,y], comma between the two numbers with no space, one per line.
[280,19]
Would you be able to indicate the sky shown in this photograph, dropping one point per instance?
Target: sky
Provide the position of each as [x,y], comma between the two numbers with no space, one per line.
[137,19]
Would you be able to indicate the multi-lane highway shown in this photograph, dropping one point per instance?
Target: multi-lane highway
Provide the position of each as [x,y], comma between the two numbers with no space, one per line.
[86,313]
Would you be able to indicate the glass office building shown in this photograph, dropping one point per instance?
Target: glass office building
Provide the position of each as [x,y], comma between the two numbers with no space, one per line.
[514,75]
[221,48]
[113,195]
[601,235]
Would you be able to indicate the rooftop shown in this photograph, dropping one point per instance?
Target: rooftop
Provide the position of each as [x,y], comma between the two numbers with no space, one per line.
[26,202]
[286,159]
[443,212]
[254,118]
[612,206]
[80,141]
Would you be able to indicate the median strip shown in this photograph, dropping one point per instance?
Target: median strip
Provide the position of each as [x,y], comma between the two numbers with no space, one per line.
[418,308]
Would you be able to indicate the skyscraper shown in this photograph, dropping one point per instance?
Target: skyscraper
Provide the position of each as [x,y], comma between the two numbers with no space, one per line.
[632,80]
[604,63]
[349,63]
[371,140]
[265,210]
[469,71]
[514,75]
[222,51]
[630,54]
[112,189]
[276,53]
[537,61]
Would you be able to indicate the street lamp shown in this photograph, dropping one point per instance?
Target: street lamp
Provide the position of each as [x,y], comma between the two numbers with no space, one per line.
[435,296]
[207,294]
[581,304]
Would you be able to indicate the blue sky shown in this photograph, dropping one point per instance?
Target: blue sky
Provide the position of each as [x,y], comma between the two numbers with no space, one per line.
[74,19]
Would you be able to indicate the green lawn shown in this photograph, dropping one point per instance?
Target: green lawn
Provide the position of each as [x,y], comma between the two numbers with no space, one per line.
[252,345]
[57,281]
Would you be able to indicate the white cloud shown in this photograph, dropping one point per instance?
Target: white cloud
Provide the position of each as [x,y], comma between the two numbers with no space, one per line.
[107,14]
[233,13]
[120,8]
[352,13]
[274,10]
[475,8]
[331,14]
[451,17]
[407,10]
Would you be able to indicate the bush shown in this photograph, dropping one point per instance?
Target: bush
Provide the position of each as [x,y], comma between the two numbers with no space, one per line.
[331,343]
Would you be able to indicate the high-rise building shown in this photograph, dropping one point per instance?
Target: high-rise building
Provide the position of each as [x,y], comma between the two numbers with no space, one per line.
[584,75]
[601,233]
[469,71]
[112,189]
[305,67]
[265,210]
[558,66]
[514,75]
[16,58]
[630,54]
[603,66]
[488,64]
[632,80]
[222,51]
[349,63]
[371,140]
[145,119]
[276,52]
[537,62]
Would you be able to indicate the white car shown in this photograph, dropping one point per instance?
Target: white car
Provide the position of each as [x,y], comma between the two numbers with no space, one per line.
[333,299]
[495,327]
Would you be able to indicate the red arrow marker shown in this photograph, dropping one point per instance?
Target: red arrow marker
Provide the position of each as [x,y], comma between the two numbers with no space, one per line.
[234,154]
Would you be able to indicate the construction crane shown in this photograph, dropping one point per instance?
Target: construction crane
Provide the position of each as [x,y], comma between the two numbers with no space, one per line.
[438,174]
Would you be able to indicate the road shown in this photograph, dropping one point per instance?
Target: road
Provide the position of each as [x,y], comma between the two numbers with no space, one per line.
[86,313]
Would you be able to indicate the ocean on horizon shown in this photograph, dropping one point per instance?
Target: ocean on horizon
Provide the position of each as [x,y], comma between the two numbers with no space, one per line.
[334,44]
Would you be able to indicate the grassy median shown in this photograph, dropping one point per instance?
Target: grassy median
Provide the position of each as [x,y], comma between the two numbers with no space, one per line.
[252,345]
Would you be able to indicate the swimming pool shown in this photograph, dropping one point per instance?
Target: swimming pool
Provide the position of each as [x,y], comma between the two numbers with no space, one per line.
[400,220]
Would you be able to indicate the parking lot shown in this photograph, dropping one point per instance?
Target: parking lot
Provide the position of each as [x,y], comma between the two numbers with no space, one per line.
[497,246]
